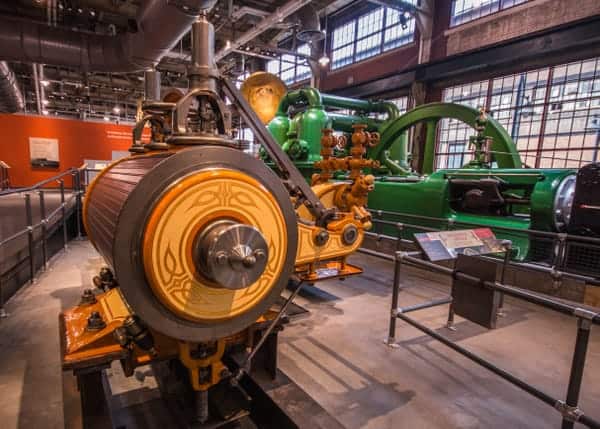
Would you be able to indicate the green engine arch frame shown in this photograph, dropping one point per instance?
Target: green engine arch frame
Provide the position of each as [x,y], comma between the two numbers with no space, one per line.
[503,148]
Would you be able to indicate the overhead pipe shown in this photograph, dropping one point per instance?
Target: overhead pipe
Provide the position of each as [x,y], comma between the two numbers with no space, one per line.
[315,99]
[36,82]
[276,17]
[239,13]
[160,25]
[42,91]
[11,97]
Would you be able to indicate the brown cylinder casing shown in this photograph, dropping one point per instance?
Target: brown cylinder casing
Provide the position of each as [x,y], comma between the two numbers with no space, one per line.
[106,196]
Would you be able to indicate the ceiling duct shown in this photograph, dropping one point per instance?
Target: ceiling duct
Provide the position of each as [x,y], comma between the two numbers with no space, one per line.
[308,25]
[160,25]
[11,98]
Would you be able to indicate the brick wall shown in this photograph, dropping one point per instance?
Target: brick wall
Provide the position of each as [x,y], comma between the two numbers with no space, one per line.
[527,18]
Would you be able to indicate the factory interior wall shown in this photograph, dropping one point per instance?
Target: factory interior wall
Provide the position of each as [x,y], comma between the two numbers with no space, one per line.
[509,24]
[77,140]
[374,68]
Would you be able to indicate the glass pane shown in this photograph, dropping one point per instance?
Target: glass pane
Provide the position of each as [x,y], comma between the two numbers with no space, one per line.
[468,10]
[273,66]
[369,23]
[344,34]
[368,47]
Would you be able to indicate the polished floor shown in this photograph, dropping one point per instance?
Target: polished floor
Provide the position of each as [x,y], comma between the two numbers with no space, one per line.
[335,354]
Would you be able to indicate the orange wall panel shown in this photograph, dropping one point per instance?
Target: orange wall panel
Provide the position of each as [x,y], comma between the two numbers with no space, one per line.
[77,140]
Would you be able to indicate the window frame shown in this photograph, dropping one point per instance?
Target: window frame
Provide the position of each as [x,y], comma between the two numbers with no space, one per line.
[405,39]
[553,114]
[501,6]
[298,63]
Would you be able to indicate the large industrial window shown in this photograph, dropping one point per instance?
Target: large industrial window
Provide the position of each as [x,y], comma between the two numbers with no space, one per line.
[290,68]
[552,114]
[401,103]
[378,31]
[469,10]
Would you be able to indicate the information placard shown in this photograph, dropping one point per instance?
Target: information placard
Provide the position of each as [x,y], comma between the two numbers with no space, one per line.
[444,245]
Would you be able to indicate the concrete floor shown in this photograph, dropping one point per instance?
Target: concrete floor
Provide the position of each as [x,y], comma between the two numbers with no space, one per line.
[335,354]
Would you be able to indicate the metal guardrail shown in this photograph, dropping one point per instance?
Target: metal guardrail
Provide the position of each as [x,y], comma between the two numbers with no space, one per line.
[569,409]
[560,241]
[76,195]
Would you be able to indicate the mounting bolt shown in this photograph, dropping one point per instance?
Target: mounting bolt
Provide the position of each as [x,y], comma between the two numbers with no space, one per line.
[95,322]
[349,235]
[321,237]
[88,297]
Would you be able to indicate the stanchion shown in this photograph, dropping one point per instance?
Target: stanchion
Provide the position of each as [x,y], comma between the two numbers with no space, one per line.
[30,244]
[78,192]
[507,245]
[44,227]
[391,339]
[569,408]
[63,210]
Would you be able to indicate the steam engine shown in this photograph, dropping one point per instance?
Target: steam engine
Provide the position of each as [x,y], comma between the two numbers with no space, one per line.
[201,239]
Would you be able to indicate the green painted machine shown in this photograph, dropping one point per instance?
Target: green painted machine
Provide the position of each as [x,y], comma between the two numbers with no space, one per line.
[493,190]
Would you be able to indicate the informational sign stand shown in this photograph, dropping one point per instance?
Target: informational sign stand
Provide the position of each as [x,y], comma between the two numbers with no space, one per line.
[473,302]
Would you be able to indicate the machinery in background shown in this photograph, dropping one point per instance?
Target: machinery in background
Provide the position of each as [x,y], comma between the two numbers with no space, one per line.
[492,190]
[201,240]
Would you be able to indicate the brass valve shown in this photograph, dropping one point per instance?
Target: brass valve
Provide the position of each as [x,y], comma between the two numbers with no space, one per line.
[328,163]
[361,139]
[353,197]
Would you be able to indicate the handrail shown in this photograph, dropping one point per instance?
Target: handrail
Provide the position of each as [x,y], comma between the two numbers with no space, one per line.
[451,222]
[30,230]
[568,408]
[38,185]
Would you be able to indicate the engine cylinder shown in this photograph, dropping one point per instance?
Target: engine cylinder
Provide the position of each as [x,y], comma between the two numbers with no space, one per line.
[202,240]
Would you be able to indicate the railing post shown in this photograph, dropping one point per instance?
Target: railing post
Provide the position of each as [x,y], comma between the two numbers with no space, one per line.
[569,408]
[29,220]
[379,225]
[44,226]
[507,245]
[391,339]
[559,257]
[78,192]
[63,209]
[400,230]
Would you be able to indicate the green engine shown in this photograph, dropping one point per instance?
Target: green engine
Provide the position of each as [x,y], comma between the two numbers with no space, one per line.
[493,190]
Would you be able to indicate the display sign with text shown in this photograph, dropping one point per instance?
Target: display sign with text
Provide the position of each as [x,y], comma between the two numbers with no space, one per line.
[444,245]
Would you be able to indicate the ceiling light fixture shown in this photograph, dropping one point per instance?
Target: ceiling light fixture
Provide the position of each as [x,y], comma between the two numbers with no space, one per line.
[324,61]
[117,109]
[45,102]
[44,82]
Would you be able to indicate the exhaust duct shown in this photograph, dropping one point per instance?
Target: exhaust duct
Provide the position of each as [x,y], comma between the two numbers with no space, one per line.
[160,25]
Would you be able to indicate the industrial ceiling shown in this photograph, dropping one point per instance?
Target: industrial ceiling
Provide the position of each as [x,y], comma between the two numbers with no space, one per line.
[85,58]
